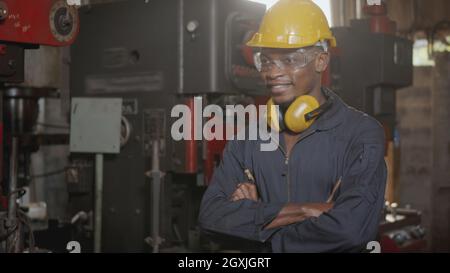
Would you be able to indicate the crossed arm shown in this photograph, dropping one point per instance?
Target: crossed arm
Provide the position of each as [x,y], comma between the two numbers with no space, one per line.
[291,213]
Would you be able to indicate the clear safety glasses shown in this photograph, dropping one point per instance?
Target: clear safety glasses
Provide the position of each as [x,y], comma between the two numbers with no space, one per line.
[291,61]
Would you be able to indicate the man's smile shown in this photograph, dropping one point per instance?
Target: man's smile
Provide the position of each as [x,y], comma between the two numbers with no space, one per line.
[279,88]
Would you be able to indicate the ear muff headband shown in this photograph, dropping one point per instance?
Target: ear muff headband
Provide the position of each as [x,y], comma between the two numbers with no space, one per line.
[319,111]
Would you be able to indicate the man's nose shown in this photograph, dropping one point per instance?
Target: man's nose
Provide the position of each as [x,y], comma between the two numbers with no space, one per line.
[274,71]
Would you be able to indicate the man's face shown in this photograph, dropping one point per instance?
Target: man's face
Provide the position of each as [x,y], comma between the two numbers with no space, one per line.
[289,73]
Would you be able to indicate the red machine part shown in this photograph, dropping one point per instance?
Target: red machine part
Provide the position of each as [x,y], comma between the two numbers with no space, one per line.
[3,49]
[44,22]
[246,51]
[191,145]
[379,21]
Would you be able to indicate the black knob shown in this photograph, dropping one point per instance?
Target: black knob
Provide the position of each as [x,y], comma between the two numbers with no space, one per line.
[400,238]
[3,11]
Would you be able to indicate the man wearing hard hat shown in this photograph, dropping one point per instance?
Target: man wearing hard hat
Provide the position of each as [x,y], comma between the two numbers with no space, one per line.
[322,190]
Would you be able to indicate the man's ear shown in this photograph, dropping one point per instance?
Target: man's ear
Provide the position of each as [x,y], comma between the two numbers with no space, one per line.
[322,62]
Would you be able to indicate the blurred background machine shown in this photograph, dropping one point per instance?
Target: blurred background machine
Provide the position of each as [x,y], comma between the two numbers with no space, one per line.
[25,25]
[370,64]
[401,230]
[161,54]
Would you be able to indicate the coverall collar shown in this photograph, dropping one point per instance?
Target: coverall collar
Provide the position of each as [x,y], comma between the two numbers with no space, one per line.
[330,119]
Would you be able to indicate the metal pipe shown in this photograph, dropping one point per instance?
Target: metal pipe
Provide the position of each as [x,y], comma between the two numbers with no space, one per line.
[180,46]
[214,46]
[13,240]
[191,145]
[359,7]
[98,202]
[156,192]
[13,179]
[342,13]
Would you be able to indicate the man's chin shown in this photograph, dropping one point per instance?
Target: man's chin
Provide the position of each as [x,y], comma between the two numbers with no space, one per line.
[280,100]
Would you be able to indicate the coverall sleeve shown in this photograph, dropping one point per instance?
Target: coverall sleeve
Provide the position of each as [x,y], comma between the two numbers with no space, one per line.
[353,221]
[244,218]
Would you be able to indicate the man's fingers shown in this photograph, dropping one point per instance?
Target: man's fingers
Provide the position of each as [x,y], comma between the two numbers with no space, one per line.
[235,198]
[238,194]
[253,192]
[245,191]
[250,190]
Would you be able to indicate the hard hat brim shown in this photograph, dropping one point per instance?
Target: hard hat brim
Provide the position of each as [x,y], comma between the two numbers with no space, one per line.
[257,41]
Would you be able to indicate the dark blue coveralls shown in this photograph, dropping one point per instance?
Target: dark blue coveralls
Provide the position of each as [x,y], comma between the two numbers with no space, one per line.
[343,143]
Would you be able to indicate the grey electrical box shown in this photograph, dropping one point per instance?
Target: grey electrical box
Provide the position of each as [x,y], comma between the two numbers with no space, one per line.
[95,125]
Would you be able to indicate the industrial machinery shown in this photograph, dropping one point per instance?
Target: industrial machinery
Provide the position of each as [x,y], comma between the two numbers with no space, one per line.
[401,230]
[159,54]
[24,25]
[370,64]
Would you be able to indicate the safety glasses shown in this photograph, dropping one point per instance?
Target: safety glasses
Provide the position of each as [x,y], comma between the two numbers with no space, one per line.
[292,61]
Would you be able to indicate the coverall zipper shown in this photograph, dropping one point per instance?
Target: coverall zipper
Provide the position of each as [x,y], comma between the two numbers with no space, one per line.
[286,161]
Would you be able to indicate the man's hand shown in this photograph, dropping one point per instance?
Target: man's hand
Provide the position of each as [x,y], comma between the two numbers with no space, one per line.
[245,191]
[294,213]
[315,209]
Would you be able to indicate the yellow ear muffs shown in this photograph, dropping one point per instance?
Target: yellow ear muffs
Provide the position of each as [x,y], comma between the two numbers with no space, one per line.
[274,116]
[296,118]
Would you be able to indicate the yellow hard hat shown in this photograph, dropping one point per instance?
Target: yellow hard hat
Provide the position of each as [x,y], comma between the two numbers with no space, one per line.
[293,24]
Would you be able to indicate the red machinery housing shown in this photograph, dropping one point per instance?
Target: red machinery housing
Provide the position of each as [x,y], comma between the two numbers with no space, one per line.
[43,22]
